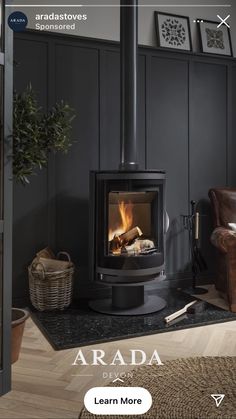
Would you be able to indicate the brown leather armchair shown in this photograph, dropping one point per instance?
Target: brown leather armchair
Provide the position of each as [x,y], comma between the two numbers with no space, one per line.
[223,202]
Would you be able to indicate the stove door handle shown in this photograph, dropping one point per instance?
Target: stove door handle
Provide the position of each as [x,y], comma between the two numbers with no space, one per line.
[166,222]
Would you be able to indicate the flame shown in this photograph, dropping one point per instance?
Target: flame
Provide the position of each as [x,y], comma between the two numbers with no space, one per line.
[126,215]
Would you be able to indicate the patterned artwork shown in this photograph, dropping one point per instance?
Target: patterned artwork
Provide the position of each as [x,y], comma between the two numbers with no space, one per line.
[215,38]
[173,32]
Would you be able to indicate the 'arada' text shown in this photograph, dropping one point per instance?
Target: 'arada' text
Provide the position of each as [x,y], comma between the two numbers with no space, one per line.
[98,357]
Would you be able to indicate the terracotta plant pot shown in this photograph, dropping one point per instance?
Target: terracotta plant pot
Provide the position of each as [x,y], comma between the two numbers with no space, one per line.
[19,316]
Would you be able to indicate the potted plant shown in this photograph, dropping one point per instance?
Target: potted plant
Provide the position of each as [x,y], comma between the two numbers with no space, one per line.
[35,136]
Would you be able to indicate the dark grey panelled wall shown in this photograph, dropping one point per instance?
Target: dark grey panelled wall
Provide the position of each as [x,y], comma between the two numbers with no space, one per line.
[208,140]
[167,147]
[72,173]
[185,126]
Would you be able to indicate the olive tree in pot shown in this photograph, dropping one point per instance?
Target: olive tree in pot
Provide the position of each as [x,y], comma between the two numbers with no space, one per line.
[35,136]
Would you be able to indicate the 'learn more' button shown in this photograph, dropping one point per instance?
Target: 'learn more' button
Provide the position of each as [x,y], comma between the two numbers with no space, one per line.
[118,400]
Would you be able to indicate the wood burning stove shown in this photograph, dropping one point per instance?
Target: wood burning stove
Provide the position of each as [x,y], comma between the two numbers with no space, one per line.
[128,229]
[128,206]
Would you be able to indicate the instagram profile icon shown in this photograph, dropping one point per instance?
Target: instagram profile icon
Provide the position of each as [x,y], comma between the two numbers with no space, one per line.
[17,21]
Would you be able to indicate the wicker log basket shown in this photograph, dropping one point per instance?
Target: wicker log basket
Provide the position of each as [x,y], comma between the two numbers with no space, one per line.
[51,283]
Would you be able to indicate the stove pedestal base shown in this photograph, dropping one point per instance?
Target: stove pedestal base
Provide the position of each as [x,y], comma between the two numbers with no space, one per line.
[128,301]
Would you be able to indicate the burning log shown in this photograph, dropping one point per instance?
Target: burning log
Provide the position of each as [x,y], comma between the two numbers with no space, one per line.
[124,239]
[130,235]
[140,246]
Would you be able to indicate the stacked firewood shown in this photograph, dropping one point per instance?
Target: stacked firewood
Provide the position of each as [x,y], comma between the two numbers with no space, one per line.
[46,260]
[130,243]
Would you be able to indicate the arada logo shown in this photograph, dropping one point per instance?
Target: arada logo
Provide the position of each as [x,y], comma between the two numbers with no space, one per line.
[98,357]
[218,398]
[17,21]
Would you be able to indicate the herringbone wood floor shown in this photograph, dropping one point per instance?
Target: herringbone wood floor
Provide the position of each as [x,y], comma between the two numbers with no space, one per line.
[46,385]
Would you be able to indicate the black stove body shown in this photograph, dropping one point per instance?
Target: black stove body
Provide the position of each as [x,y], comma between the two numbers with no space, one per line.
[124,202]
[141,195]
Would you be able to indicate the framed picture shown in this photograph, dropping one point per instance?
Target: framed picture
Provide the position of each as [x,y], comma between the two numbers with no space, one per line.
[214,40]
[173,31]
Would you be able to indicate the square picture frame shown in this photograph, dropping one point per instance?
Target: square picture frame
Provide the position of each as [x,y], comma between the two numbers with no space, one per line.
[214,40]
[173,31]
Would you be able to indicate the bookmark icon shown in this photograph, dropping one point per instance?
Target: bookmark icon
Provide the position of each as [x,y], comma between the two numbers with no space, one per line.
[218,398]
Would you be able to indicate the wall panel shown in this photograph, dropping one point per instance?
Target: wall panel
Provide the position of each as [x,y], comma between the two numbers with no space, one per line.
[208,141]
[76,82]
[167,148]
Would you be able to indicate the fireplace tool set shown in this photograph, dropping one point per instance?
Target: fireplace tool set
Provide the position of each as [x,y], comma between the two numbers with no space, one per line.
[198,264]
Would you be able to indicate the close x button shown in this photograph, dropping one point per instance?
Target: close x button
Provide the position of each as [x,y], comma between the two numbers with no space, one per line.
[118,400]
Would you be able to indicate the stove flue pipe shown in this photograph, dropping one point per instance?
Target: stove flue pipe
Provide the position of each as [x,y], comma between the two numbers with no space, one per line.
[128,51]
